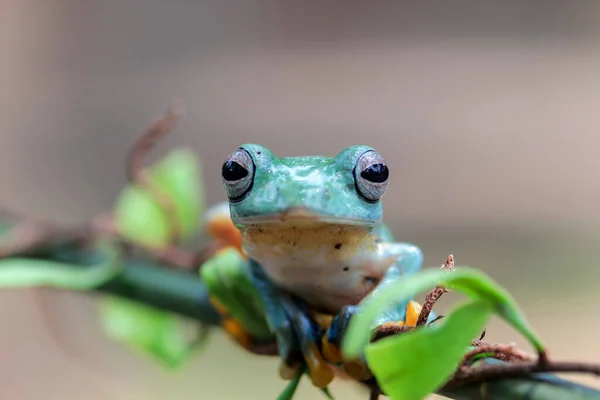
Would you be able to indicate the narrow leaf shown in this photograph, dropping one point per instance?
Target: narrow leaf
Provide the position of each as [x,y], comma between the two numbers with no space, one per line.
[227,279]
[179,174]
[31,272]
[159,334]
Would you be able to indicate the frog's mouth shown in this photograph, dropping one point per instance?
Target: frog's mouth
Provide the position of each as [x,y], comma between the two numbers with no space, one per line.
[302,216]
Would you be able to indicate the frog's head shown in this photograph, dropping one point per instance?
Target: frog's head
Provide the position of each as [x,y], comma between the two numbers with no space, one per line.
[342,190]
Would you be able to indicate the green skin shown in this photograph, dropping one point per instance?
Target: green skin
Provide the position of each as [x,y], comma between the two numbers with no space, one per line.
[312,230]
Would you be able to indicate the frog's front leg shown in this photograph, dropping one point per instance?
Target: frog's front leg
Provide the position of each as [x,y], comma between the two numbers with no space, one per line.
[409,260]
[293,329]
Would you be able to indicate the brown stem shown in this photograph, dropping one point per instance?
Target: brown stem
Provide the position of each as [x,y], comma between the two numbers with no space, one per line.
[30,235]
[136,171]
[502,352]
[430,300]
[517,370]
[432,297]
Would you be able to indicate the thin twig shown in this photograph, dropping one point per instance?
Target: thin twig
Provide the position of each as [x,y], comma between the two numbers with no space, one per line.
[504,352]
[430,300]
[384,331]
[24,236]
[178,257]
[516,370]
[31,235]
[137,173]
[432,297]
[171,255]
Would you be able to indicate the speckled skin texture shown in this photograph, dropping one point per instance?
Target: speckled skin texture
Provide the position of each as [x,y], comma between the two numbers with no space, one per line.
[323,185]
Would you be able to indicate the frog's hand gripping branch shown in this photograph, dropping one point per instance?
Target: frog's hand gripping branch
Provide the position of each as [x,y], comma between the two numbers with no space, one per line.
[297,334]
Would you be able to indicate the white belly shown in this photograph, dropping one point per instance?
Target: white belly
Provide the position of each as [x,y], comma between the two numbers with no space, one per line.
[328,266]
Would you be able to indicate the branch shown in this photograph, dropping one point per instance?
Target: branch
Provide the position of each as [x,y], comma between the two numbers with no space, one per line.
[152,283]
[183,293]
[501,381]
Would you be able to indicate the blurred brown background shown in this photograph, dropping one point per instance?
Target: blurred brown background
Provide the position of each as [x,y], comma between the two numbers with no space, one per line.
[487,113]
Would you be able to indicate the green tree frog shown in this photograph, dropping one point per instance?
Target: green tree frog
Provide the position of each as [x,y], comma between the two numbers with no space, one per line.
[312,231]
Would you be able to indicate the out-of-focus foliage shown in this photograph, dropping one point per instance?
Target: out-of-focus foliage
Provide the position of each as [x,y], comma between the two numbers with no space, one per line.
[229,282]
[150,331]
[141,219]
[139,214]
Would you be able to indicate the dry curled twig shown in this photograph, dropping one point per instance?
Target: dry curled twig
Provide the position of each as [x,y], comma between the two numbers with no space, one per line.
[136,171]
[432,297]
[24,236]
[504,352]
[430,300]
[30,235]
[137,174]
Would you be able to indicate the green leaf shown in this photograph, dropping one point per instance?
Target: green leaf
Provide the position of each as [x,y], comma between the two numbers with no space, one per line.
[472,282]
[180,175]
[290,390]
[227,279]
[411,365]
[31,272]
[140,219]
[140,216]
[159,334]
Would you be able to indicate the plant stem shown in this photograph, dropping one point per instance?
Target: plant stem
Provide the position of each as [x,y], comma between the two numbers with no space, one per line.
[535,386]
[146,281]
[183,293]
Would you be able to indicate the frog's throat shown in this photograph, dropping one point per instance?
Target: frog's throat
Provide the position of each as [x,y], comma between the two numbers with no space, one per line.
[328,265]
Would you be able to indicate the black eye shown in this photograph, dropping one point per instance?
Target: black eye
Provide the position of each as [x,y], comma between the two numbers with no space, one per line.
[237,175]
[371,176]
[232,171]
[376,173]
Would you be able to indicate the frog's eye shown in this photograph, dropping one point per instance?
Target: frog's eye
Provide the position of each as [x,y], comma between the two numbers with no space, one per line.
[237,174]
[371,176]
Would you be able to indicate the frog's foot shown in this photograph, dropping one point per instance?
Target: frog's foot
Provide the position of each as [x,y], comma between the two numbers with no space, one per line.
[358,368]
[333,338]
[308,333]
[331,342]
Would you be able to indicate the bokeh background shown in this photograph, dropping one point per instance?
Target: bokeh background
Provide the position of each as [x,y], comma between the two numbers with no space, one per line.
[486,112]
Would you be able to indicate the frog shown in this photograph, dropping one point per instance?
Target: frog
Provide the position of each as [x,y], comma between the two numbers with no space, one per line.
[314,244]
